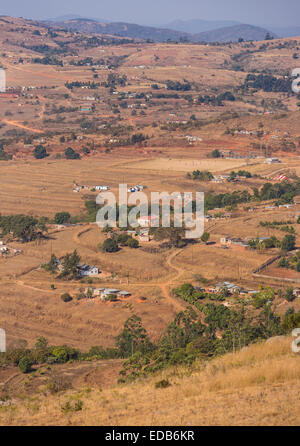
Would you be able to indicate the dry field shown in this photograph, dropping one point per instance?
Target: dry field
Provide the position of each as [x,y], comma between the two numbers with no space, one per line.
[259,380]
[28,306]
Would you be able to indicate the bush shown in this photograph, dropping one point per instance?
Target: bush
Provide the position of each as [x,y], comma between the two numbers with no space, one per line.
[40,152]
[25,365]
[163,384]
[110,245]
[132,243]
[66,297]
[71,154]
[62,217]
[288,243]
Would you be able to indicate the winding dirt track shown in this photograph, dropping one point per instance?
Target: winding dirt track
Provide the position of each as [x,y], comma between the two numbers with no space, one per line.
[21,126]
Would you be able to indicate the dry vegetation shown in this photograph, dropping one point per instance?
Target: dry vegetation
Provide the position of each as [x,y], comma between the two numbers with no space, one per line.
[258,380]
[251,387]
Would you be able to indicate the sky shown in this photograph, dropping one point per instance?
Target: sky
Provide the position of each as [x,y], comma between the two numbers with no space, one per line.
[261,12]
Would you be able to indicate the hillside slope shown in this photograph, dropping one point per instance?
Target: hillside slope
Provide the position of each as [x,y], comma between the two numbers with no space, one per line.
[232,34]
[259,385]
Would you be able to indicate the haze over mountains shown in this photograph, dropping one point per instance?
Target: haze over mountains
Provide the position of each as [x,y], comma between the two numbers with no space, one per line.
[194,30]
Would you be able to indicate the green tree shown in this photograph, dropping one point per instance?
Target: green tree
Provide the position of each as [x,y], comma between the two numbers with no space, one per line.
[40,152]
[205,237]
[132,243]
[25,364]
[110,245]
[133,338]
[288,243]
[70,265]
[66,297]
[62,217]
[51,266]
[70,154]
[289,295]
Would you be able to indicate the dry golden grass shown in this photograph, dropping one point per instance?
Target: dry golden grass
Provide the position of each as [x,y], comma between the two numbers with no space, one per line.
[259,385]
[183,165]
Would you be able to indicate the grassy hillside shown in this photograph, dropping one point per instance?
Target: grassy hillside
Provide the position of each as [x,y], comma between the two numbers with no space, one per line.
[250,387]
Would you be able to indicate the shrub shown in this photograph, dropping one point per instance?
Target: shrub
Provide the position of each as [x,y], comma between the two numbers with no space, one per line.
[40,152]
[71,154]
[66,297]
[132,243]
[25,365]
[62,217]
[110,245]
[288,243]
[163,384]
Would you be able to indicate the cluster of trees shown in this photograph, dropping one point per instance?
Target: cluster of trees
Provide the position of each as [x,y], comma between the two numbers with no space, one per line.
[40,152]
[282,192]
[290,262]
[23,227]
[3,155]
[240,173]
[69,265]
[172,237]
[200,176]
[204,331]
[287,244]
[215,154]
[178,86]
[283,226]
[113,243]
[216,100]
[70,154]
[267,83]
[113,80]
[48,60]
[78,84]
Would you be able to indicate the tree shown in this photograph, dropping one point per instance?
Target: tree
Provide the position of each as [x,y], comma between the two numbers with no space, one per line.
[71,154]
[51,266]
[70,265]
[133,338]
[269,36]
[288,243]
[25,365]
[132,243]
[205,237]
[66,297]
[41,343]
[110,245]
[289,295]
[40,152]
[216,154]
[62,217]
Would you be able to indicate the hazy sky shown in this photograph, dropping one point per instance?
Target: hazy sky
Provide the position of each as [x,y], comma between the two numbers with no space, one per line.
[275,12]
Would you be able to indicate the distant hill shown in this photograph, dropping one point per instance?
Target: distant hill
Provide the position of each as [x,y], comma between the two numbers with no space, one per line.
[197,25]
[291,31]
[134,31]
[122,29]
[75,17]
[232,34]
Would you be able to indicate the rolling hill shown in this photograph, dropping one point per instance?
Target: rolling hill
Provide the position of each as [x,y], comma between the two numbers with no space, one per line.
[232,34]
[134,31]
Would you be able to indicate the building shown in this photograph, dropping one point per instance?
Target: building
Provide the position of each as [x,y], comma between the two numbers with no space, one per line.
[272,160]
[86,270]
[233,241]
[231,287]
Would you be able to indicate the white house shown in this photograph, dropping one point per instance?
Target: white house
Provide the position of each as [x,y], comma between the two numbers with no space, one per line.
[86,270]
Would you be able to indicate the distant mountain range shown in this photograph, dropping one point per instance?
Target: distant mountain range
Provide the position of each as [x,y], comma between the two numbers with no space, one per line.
[197,26]
[232,32]
[193,30]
